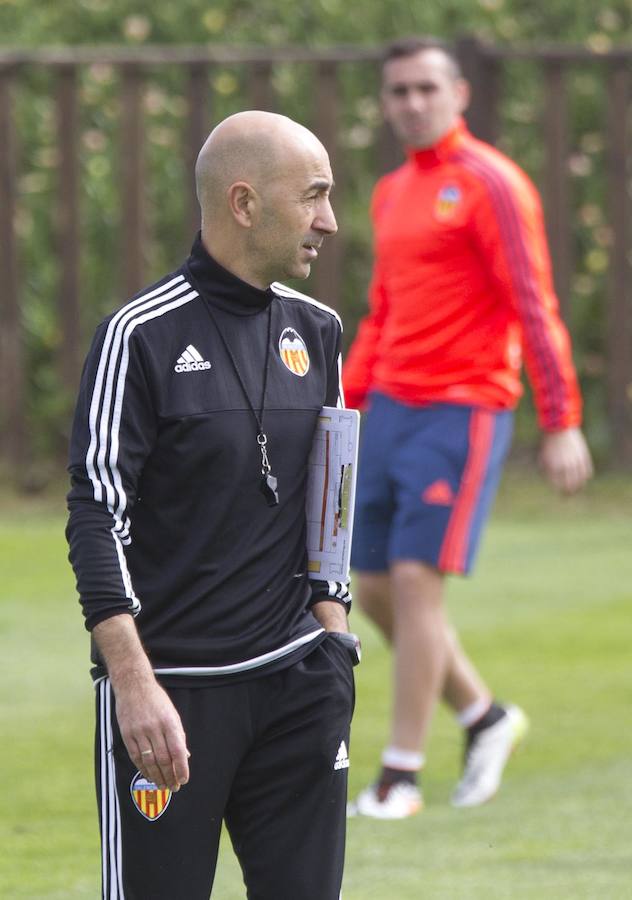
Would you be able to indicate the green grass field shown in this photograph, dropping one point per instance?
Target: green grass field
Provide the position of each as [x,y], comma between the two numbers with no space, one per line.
[548,618]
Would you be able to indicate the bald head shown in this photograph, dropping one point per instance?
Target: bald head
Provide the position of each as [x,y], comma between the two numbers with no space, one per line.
[263,182]
[254,147]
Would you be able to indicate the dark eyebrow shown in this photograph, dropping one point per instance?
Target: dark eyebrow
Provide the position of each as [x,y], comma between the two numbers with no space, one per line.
[321,184]
[410,85]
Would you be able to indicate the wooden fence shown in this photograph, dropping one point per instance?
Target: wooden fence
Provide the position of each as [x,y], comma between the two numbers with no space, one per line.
[484,65]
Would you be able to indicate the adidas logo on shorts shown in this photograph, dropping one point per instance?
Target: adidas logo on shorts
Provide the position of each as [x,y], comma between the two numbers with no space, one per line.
[342,757]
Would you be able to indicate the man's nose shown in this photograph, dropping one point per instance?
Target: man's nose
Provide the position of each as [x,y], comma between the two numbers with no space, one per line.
[326,220]
[415,101]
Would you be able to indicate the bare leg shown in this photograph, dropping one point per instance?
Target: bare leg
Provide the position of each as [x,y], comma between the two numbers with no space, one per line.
[429,660]
[407,605]
[372,591]
[421,647]
[463,685]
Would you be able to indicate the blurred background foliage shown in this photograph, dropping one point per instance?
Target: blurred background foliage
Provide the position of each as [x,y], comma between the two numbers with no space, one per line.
[314,23]
[277,23]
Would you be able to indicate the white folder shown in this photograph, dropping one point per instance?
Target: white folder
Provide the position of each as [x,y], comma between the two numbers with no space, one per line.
[331,483]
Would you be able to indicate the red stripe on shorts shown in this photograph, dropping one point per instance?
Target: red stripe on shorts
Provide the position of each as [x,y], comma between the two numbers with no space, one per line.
[453,556]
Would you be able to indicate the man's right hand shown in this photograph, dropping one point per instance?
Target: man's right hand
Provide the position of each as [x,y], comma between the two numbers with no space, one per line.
[152,733]
[565,459]
[148,721]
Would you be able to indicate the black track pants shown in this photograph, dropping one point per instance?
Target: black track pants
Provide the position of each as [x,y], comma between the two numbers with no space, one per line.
[269,756]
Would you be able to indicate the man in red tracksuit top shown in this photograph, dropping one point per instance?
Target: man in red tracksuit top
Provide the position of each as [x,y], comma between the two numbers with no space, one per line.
[461,289]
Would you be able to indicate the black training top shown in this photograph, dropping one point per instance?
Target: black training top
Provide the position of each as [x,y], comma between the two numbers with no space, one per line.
[167,519]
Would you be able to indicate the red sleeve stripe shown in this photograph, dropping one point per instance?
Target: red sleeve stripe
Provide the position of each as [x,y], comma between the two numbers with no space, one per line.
[453,556]
[525,289]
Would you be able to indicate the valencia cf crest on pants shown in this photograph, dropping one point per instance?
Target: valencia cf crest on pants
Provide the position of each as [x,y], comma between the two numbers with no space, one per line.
[150,801]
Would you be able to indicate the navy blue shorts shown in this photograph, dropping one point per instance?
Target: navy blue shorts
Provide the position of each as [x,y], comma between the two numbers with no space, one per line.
[427,478]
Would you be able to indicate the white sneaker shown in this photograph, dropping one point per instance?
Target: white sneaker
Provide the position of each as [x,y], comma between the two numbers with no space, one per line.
[487,757]
[400,800]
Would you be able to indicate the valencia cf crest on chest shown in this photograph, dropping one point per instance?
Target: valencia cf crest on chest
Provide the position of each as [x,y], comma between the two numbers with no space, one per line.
[150,801]
[293,352]
[447,202]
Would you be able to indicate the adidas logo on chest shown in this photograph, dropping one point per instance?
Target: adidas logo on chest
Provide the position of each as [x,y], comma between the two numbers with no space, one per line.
[191,360]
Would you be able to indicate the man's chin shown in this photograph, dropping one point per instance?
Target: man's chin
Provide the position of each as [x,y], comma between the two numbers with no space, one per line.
[419,141]
[301,270]
[416,138]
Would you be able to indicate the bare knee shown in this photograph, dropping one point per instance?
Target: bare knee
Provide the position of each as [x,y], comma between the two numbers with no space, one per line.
[416,584]
[371,591]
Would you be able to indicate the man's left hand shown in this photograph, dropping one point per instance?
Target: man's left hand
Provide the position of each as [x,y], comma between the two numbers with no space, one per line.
[565,459]
[331,615]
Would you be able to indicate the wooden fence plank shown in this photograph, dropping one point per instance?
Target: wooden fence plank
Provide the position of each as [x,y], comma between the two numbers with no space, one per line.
[555,182]
[132,147]
[327,271]
[260,86]
[68,236]
[163,54]
[199,124]
[482,71]
[389,151]
[171,54]
[619,327]
[12,372]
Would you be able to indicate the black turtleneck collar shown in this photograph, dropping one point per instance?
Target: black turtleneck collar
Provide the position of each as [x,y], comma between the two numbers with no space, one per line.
[220,287]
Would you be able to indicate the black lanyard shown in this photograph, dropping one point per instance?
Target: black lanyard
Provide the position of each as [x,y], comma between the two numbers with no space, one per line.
[268,484]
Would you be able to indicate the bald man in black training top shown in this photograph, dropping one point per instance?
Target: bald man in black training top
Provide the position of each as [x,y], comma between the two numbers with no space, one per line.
[224,676]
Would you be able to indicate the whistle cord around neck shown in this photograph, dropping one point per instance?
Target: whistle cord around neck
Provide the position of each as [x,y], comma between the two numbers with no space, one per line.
[268,484]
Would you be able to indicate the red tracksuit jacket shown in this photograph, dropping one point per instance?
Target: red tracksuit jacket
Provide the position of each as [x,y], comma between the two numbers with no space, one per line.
[461,288]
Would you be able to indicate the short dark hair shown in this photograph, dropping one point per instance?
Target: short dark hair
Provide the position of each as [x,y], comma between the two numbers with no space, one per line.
[410,46]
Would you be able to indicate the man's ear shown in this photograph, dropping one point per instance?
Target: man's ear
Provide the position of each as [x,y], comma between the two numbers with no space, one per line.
[243,202]
[465,92]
